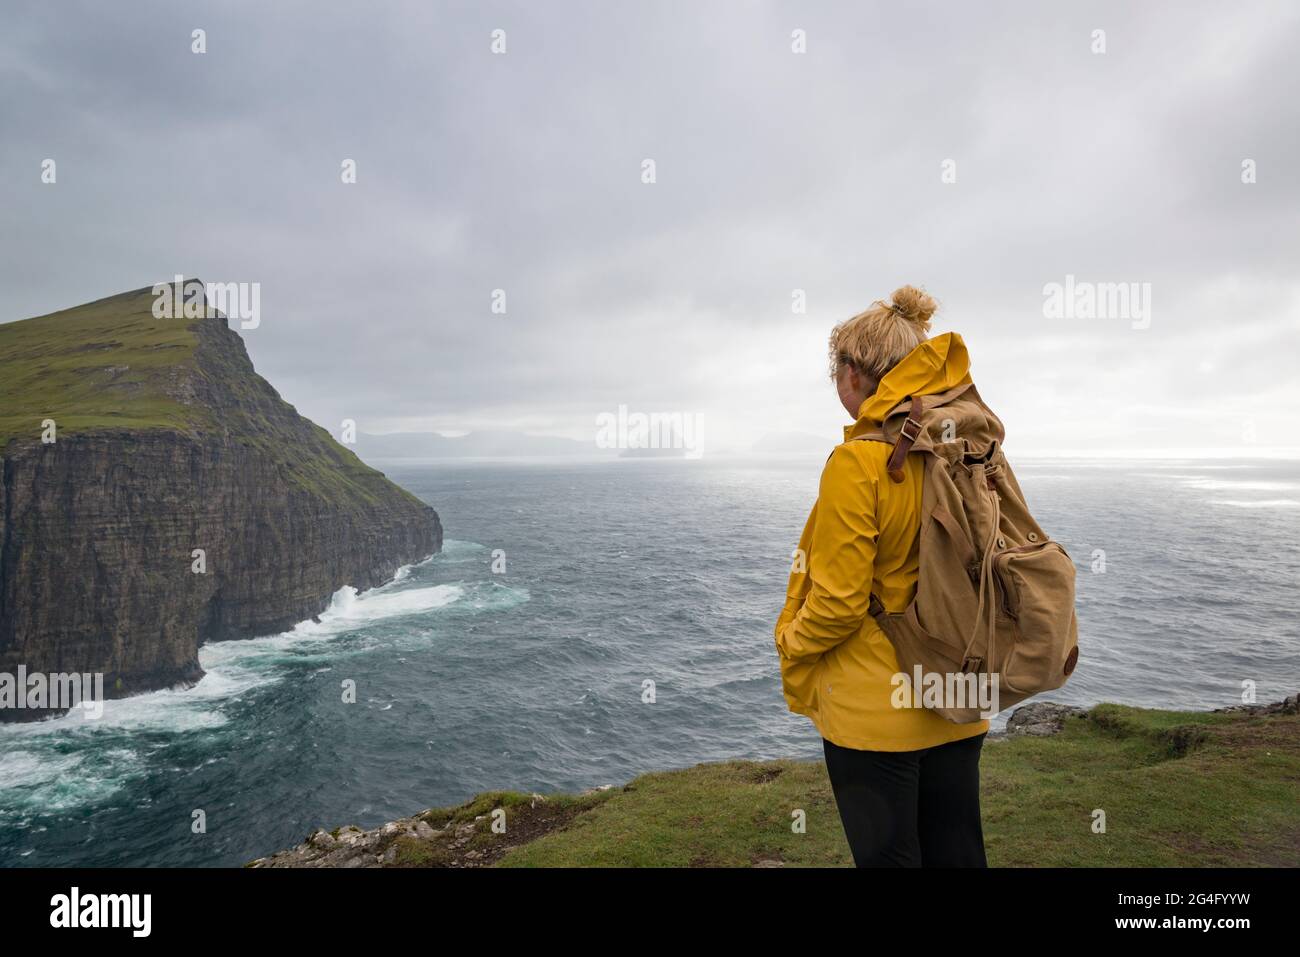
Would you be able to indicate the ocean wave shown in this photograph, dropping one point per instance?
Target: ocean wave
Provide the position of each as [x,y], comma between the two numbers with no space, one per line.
[494,596]
[234,668]
[41,780]
[348,606]
[167,709]
[404,572]
[455,551]
[23,769]
[73,760]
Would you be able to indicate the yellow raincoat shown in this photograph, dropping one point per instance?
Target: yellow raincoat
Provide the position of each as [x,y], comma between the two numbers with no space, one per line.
[837,665]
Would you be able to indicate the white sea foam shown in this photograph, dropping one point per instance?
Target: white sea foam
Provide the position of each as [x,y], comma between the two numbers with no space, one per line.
[454,550]
[348,611]
[169,709]
[234,668]
[410,601]
[22,769]
[37,773]
[42,780]
[405,571]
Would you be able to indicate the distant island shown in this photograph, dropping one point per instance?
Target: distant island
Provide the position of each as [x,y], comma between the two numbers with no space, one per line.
[157,493]
[794,444]
[505,444]
[486,444]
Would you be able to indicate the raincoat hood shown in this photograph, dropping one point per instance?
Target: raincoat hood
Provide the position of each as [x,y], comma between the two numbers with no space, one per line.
[934,366]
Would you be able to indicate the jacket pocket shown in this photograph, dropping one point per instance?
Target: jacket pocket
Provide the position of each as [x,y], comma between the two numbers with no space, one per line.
[799,678]
[799,682]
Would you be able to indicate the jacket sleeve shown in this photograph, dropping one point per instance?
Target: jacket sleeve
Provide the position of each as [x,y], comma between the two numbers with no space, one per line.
[841,560]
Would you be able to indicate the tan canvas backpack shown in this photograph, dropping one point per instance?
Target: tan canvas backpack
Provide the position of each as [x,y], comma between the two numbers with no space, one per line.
[995,595]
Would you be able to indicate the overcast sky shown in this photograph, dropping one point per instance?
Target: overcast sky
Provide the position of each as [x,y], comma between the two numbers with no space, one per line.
[776,171]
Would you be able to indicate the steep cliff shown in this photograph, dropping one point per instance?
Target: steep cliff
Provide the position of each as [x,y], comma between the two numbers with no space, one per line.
[167,441]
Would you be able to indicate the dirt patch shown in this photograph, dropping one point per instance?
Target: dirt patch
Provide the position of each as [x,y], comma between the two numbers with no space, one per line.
[445,837]
[1185,738]
[1271,734]
[764,775]
[475,844]
[1282,850]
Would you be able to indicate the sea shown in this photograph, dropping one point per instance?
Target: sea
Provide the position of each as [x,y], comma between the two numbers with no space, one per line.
[586,622]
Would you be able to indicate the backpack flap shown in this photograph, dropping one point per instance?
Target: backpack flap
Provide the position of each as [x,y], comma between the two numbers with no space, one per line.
[995,596]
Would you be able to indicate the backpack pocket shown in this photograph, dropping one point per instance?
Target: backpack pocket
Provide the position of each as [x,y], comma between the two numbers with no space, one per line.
[1036,583]
[936,656]
[947,590]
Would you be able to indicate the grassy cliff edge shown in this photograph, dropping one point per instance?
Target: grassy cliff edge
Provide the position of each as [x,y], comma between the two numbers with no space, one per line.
[156,493]
[1177,788]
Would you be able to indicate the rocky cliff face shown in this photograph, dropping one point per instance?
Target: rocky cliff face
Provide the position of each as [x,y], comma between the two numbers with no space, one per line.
[176,445]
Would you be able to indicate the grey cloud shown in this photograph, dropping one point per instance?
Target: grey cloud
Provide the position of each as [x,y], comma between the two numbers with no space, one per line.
[775,172]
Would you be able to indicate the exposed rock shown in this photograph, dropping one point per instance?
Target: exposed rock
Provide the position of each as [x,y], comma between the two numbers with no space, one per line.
[1046,718]
[1289,705]
[438,837]
[1040,718]
[382,846]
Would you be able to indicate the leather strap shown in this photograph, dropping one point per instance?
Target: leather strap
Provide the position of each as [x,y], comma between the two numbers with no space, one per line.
[907,436]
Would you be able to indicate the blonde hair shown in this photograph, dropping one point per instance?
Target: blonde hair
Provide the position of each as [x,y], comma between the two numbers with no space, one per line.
[877,339]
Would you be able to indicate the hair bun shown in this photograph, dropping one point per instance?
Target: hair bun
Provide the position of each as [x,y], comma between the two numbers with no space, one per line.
[914,305]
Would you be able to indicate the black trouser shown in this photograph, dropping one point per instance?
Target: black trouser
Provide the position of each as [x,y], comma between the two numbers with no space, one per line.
[910,808]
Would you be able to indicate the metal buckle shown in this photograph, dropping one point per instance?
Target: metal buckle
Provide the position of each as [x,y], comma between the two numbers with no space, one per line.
[967,667]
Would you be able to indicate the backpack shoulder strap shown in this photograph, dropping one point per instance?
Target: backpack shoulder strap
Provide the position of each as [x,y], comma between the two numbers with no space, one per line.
[906,439]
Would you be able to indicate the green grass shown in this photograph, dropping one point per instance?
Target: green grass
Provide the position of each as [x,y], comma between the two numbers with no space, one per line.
[110,365]
[100,365]
[1178,789]
[729,814]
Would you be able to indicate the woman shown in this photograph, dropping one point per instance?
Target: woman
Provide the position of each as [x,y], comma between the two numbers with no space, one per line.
[906,780]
